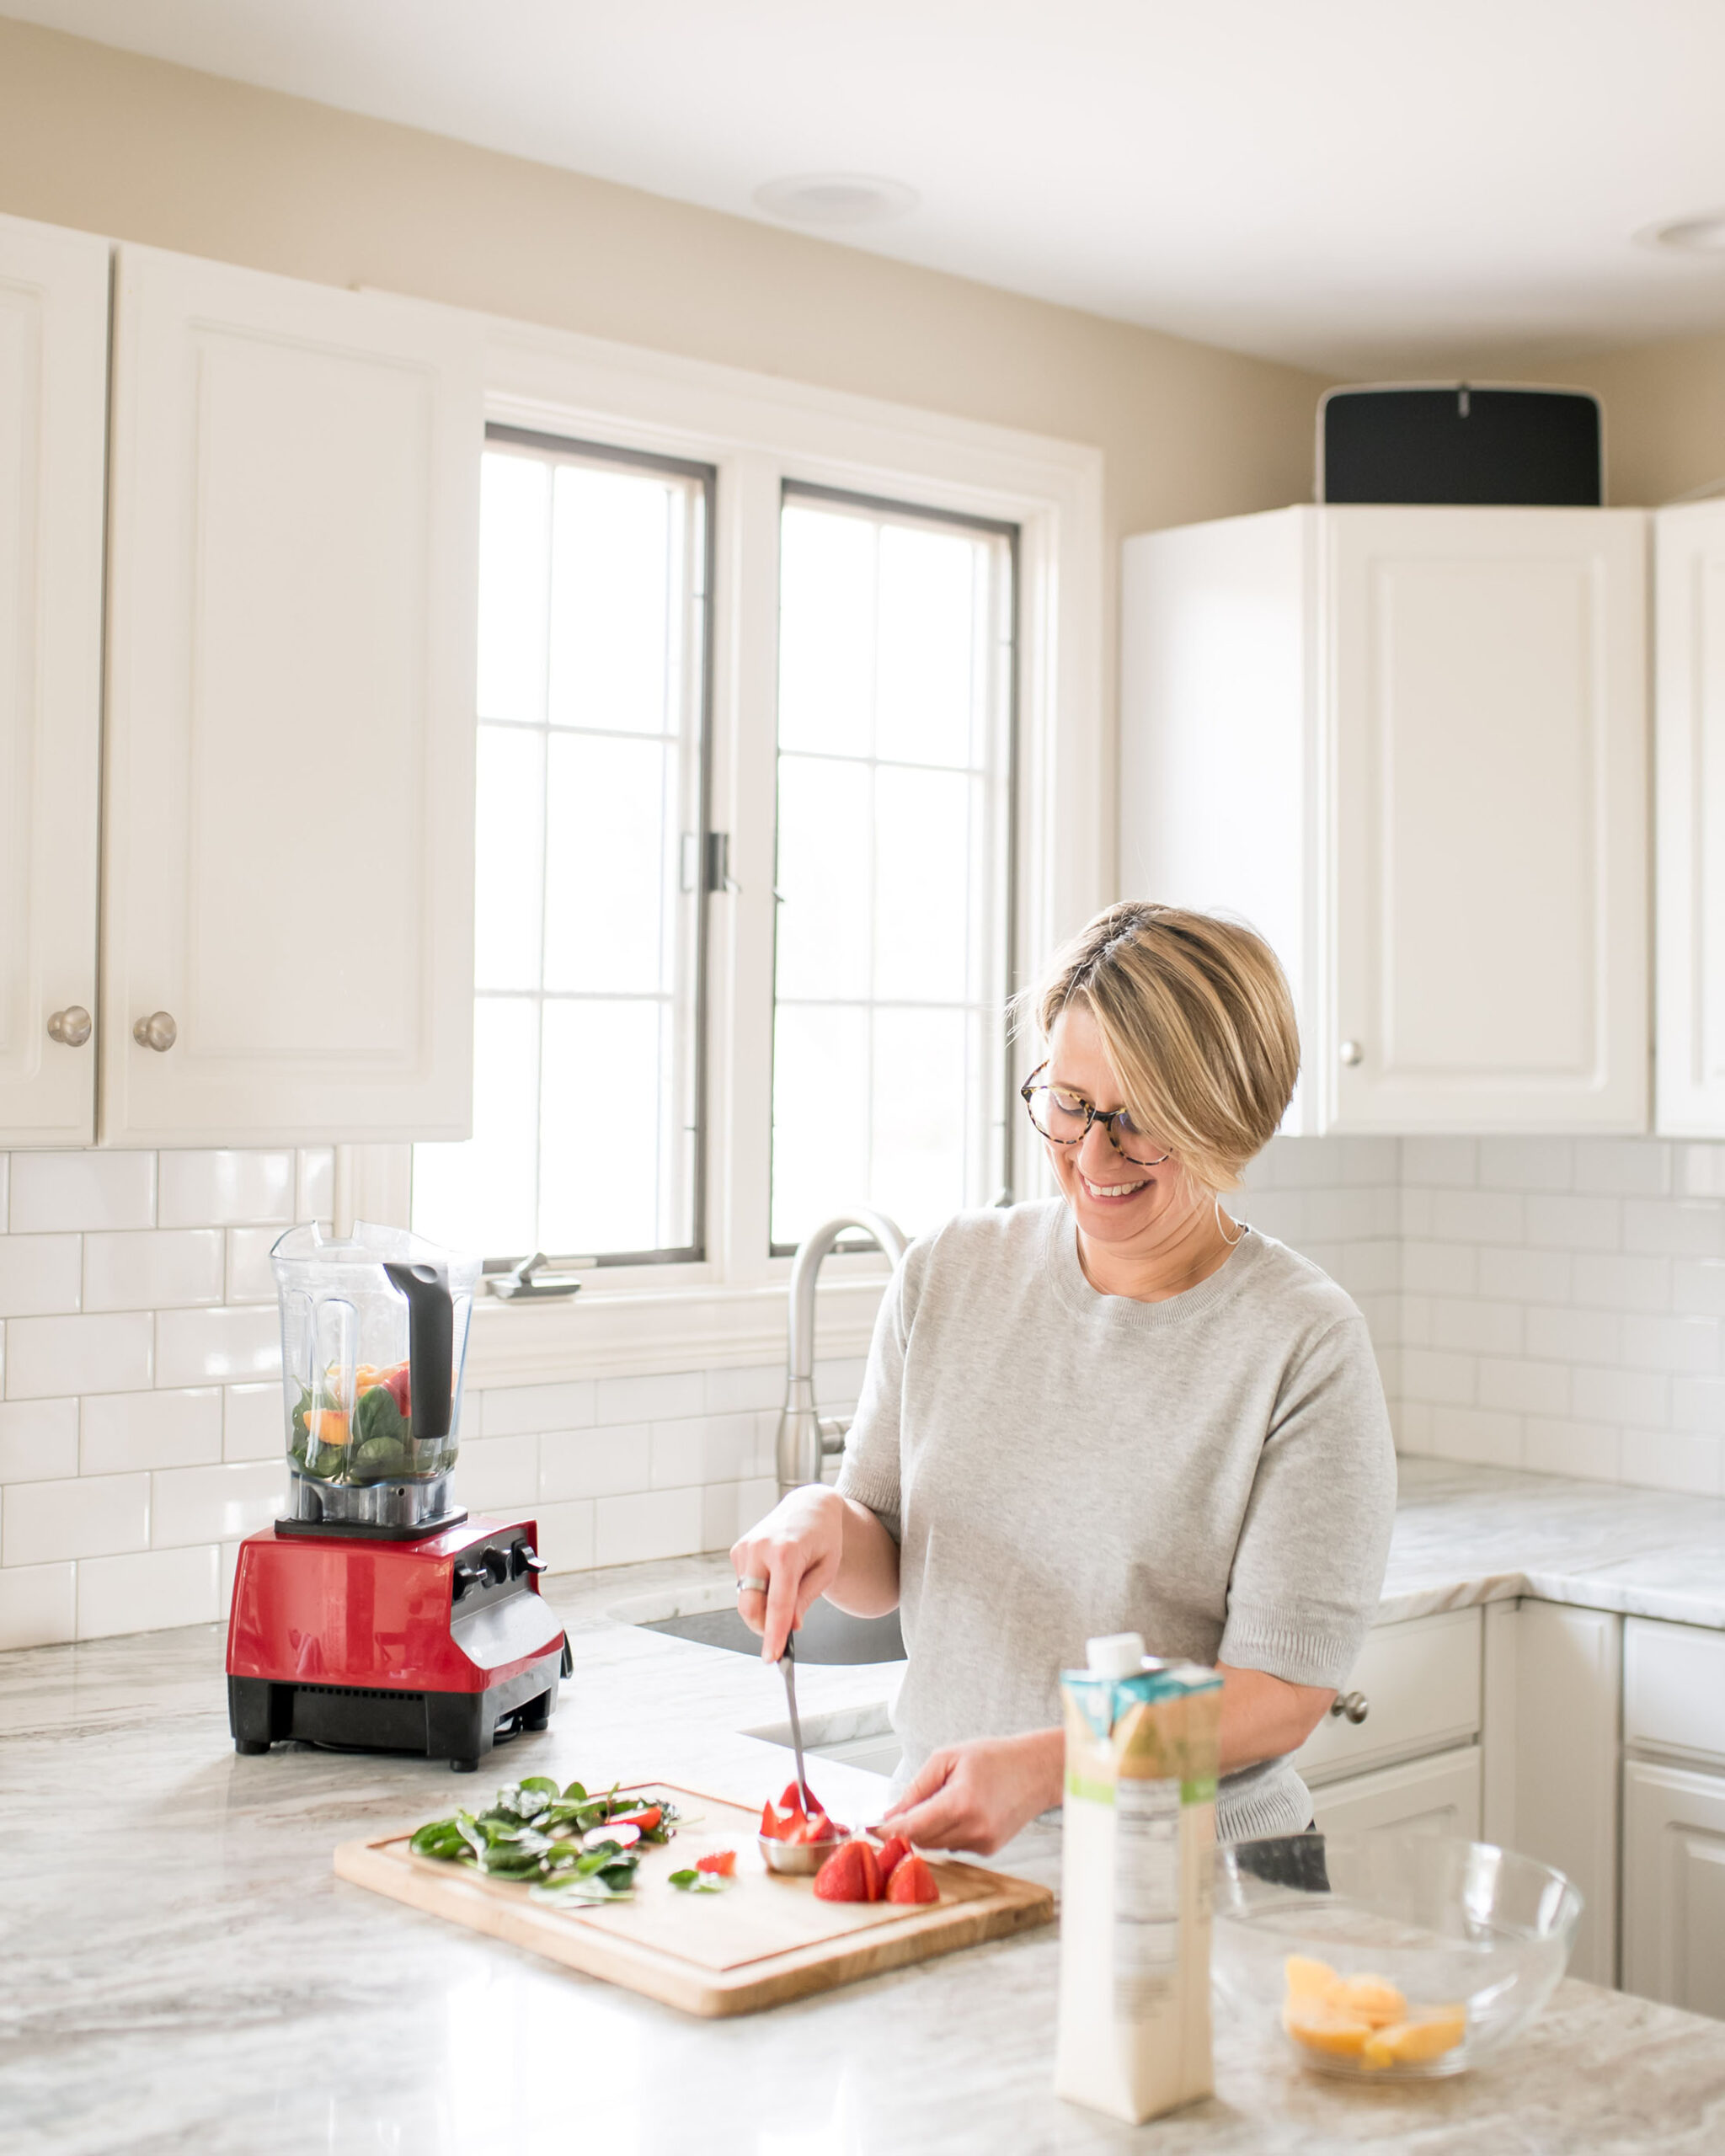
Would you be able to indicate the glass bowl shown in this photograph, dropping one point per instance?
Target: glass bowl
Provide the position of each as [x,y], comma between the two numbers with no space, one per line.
[1390,1955]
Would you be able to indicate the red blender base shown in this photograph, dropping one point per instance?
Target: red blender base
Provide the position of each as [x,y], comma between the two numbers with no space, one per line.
[437,1647]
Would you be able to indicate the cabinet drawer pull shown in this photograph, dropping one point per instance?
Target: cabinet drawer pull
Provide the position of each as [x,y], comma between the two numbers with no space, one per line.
[1353,1705]
[158,1031]
[1352,1053]
[70,1026]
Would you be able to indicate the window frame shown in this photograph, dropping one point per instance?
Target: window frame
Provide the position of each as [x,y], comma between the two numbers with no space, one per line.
[728,1307]
[705,475]
[794,489]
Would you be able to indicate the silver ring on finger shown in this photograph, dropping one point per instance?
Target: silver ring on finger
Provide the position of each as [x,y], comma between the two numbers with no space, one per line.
[752,1585]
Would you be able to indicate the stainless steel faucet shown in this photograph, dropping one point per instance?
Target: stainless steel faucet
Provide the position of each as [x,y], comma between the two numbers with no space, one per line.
[806,1438]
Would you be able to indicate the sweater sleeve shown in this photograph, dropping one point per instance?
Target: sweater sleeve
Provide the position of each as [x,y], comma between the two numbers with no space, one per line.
[1309,1566]
[870,1472]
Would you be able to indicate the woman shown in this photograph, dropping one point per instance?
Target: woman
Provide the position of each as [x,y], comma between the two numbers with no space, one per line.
[1114,1411]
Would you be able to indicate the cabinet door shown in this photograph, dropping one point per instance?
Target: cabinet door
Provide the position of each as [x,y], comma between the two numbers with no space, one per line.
[293,598]
[1485,686]
[53,429]
[1440,1795]
[1688,763]
[1419,1687]
[1674,1886]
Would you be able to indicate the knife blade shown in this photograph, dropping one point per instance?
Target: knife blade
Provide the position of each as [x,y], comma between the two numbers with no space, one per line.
[787,1662]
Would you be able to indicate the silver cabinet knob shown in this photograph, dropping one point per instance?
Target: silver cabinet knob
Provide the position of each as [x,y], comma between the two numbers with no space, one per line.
[158,1031]
[70,1026]
[1352,1053]
[1353,1705]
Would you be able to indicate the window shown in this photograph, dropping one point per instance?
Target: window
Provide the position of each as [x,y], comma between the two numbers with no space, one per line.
[896,706]
[590,868]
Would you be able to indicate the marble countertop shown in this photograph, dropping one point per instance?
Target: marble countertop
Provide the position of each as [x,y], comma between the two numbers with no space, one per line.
[179,1970]
[1467,1534]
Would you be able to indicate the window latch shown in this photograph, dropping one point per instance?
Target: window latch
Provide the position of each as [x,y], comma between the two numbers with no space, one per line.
[718,875]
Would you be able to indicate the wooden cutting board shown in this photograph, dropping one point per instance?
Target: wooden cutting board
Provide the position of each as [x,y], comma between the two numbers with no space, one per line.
[765,1940]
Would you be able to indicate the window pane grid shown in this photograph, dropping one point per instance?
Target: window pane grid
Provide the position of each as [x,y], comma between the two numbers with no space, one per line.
[591,784]
[896,670]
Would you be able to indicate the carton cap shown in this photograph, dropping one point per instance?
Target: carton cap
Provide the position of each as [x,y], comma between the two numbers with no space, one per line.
[1116,1654]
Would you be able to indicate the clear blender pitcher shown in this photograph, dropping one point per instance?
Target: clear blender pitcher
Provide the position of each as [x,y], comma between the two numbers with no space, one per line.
[374,1337]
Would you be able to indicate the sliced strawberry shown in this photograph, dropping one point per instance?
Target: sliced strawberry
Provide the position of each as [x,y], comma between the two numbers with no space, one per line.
[850,1874]
[891,1851]
[722,1863]
[911,1882]
[646,1820]
[771,1829]
[792,1800]
[820,1828]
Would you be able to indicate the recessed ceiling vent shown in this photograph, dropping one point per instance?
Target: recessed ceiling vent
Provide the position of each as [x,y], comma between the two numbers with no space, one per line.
[837,198]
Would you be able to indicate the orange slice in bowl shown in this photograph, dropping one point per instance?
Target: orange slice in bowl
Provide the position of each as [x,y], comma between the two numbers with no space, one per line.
[1417,2040]
[1323,2028]
[1373,1999]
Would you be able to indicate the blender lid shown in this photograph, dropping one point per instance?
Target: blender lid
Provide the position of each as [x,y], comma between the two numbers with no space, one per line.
[366,1250]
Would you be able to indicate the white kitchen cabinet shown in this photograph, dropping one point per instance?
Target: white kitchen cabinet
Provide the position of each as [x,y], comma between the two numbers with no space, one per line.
[53,422]
[1674,1886]
[1438,1795]
[1689,762]
[288,874]
[1409,745]
[1416,1687]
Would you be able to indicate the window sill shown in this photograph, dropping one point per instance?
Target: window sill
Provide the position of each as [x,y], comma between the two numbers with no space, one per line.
[623,1333]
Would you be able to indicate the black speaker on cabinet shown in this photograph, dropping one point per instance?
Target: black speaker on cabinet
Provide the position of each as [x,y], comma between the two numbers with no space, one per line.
[1510,447]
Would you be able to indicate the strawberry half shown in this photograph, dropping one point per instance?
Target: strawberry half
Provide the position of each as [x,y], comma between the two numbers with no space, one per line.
[911,1882]
[722,1863]
[850,1874]
[792,1800]
[893,1851]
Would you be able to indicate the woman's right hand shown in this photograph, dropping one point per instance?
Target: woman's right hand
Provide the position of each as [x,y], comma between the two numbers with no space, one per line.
[796,1549]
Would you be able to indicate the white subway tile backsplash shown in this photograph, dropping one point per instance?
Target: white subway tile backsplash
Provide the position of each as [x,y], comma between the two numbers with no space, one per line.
[595,1462]
[492,1474]
[1429,1268]
[1621,1396]
[648,1399]
[1686,1344]
[1571,1336]
[1700,1172]
[122,1431]
[38,1440]
[249,1280]
[1526,1275]
[253,1422]
[1698,1287]
[1452,1162]
[1630,1167]
[65,1192]
[1671,1460]
[47,1356]
[214,1504]
[566,1536]
[729,1509]
[1613,1283]
[505,1410]
[1441,1378]
[38,1605]
[92,1516]
[650,1524]
[148,1591]
[1563,1448]
[226,1188]
[1575,1223]
[1487,1439]
[1479,1327]
[705,1448]
[731,1392]
[1698,1405]
[316,1196]
[217,1347]
[1525,1164]
[152,1268]
[1524,1388]
[1690,1227]
[39,1275]
[1476,1216]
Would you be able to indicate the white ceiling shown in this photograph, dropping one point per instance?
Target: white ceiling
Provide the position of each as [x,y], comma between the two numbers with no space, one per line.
[1360,186]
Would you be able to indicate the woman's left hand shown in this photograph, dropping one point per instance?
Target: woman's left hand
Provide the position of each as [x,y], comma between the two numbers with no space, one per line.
[978,1796]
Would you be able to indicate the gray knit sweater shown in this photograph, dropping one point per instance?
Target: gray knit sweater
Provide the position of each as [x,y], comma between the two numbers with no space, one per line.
[1215,1471]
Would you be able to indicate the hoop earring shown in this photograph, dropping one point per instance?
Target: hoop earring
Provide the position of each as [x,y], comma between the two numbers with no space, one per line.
[1232,1241]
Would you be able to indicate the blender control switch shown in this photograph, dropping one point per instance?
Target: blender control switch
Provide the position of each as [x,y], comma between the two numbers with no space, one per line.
[468,1575]
[496,1564]
[527,1559]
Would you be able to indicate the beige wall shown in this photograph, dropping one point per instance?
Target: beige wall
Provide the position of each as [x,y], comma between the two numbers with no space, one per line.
[143,151]
[1664,416]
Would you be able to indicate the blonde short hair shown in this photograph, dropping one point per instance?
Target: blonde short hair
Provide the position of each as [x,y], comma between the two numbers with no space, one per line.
[1197,1021]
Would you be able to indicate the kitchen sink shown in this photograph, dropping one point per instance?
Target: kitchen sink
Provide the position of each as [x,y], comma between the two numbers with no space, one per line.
[827,1635]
